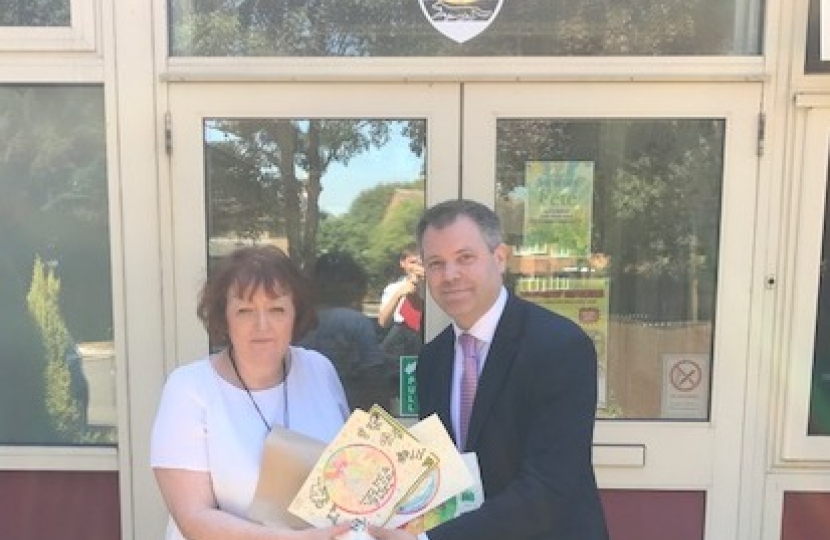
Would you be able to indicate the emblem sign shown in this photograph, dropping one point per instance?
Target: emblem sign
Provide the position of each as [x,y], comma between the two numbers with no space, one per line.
[461,20]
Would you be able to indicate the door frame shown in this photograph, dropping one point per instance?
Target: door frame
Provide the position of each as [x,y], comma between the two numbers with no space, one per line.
[664,454]
[698,456]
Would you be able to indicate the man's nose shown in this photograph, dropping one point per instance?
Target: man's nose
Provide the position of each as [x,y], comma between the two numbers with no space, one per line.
[451,271]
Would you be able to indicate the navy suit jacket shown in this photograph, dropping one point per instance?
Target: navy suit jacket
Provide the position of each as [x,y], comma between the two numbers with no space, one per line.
[531,426]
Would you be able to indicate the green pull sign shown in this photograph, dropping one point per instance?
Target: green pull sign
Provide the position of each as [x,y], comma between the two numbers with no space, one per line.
[409,396]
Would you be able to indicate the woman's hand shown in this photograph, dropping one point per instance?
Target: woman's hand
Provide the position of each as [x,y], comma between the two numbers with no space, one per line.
[380,533]
[327,533]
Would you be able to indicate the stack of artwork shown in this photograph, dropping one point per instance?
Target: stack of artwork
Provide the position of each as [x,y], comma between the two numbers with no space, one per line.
[375,471]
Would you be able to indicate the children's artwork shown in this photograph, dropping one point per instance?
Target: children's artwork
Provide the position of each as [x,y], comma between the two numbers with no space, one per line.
[469,499]
[372,465]
[450,478]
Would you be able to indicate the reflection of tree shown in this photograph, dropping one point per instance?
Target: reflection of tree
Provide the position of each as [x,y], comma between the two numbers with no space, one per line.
[34,12]
[656,198]
[666,200]
[266,175]
[52,153]
[54,209]
[66,406]
[399,28]
[380,221]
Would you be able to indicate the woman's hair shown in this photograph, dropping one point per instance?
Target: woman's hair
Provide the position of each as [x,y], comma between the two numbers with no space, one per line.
[242,272]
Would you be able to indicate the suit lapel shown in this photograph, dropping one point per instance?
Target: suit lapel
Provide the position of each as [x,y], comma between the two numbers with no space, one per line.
[444,358]
[497,366]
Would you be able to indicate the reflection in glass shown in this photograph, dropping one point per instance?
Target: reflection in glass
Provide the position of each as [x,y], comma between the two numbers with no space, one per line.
[34,12]
[614,223]
[57,382]
[341,197]
[391,28]
[819,423]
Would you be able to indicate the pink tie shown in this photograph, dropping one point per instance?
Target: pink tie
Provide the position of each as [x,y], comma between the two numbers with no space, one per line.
[469,381]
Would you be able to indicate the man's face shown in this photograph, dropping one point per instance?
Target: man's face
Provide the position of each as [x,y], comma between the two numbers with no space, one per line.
[464,276]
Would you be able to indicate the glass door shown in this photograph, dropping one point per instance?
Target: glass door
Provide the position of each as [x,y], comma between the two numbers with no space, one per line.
[620,203]
[629,207]
[336,176]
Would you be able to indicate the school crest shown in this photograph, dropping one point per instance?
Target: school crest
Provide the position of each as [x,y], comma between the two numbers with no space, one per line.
[461,20]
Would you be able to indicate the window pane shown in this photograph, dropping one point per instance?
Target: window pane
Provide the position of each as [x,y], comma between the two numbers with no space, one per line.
[34,12]
[57,382]
[341,197]
[614,223]
[335,28]
[820,397]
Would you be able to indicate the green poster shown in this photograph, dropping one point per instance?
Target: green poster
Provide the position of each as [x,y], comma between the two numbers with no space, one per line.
[558,207]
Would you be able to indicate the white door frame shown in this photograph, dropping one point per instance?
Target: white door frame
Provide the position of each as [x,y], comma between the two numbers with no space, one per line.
[660,454]
[700,456]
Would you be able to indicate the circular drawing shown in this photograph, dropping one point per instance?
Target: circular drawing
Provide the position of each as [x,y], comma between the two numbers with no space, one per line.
[360,478]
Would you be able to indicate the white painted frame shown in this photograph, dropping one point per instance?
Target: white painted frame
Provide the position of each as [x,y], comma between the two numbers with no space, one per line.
[803,257]
[80,35]
[777,485]
[678,455]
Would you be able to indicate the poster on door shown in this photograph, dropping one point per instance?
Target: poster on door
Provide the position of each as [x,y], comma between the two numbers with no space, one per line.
[558,207]
[685,388]
[584,301]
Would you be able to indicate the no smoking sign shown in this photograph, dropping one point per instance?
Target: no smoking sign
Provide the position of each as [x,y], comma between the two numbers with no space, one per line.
[686,375]
[685,389]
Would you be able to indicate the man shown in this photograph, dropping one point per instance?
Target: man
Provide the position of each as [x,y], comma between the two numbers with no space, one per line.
[532,416]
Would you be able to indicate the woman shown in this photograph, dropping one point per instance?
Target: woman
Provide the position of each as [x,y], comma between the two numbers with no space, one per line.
[215,413]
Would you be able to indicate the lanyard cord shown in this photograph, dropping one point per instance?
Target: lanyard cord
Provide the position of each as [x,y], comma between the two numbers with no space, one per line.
[285,365]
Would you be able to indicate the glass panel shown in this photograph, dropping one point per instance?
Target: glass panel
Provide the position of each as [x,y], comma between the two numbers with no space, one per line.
[478,28]
[614,223]
[57,382]
[342,198]
[819,423]
[34,12]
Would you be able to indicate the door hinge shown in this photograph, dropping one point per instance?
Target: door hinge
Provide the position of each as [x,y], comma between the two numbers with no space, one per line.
[168,133]
[762,133]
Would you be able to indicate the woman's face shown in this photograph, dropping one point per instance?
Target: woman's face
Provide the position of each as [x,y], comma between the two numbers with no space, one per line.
[260,326]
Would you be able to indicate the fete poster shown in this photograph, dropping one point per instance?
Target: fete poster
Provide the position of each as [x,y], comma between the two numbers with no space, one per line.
[559,206]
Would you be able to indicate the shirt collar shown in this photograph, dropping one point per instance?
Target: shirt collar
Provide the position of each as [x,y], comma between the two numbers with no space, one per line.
[484,328]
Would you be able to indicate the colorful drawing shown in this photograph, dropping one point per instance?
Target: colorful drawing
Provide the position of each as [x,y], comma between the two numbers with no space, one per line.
[372,465]
[360,478]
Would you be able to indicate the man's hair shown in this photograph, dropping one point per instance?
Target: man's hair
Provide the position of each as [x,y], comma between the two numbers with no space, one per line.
[446,213]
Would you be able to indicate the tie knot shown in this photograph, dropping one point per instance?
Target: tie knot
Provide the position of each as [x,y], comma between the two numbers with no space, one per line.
[468,344]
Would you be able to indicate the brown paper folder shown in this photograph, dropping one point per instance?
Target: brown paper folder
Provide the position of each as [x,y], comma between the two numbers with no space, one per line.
[287,459]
